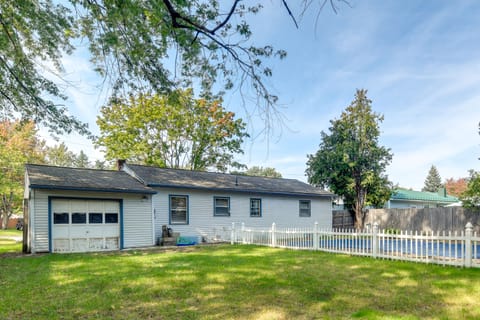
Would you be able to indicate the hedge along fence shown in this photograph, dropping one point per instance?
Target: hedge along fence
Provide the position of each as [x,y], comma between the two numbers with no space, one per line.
[424,220]
[444,248]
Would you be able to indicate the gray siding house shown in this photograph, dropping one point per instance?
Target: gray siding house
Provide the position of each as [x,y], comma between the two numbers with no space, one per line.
[77,210]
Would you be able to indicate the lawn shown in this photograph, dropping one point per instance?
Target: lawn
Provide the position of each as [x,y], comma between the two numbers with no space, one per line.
[8,242]
[232,282]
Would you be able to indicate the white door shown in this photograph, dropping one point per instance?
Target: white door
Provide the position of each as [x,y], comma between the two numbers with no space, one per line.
[85,225]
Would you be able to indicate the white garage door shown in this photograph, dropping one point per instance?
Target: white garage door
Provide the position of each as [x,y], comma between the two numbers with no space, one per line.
[85,225]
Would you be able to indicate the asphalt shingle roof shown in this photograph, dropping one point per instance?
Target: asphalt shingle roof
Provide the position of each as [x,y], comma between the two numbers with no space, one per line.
[62,178]
[404,194]
[176,178]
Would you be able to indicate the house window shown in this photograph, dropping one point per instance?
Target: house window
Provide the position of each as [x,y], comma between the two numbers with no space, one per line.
[178,209]
[60,218]
[221,206]
[255,207]
[305,208]
[79,218]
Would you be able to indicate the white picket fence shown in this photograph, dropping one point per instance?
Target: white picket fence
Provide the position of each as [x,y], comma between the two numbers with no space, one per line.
[445,248]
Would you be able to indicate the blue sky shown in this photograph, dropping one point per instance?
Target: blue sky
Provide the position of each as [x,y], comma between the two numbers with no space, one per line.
[419,61]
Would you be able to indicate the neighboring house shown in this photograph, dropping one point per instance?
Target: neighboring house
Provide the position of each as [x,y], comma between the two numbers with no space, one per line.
[74,210]
[404,198]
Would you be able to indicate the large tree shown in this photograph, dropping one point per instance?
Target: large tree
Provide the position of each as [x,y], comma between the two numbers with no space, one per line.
[19,144]
[153,45]
[350,161]
[433,181]
[175,131]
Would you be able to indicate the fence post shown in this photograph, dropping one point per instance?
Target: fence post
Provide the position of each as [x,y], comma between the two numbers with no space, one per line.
[315,236]
[468,245]
[232,234]
[274,236]
[375,240]
[243,233]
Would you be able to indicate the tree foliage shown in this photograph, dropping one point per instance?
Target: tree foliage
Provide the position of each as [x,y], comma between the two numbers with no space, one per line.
[433,181]
[137,46]
[350,161]
[18,145]
[456,187]
[471,197]
[175,131]
[82,161]
[268,172]
[32,33]
[59,155]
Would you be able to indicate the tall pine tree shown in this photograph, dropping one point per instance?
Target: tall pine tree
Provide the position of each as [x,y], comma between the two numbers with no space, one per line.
[351,162]
[433,182]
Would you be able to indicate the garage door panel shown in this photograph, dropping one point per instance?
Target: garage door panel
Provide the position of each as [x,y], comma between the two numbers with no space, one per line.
[83,225]
[61,245]
[96,206]
[112,206]
[78,203]
[110,231]
[61,206]
[112,243]
[79,244]
[62,231]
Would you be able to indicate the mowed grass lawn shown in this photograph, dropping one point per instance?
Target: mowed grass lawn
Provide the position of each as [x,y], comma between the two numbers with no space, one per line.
[232,282]
[8,241]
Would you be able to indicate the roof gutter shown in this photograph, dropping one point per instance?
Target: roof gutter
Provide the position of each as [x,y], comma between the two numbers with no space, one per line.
[47,187]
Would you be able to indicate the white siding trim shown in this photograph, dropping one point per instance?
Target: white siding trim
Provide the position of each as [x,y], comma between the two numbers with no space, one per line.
[31,220]
[153,218]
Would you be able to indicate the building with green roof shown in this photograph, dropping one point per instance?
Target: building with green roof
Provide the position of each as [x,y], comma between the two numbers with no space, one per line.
[404,198]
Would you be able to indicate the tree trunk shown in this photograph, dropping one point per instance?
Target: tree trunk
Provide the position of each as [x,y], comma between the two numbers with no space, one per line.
[6,210]
[358,209]
[4,220]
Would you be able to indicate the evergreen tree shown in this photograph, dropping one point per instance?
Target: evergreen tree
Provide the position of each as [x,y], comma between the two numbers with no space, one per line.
[82,160]
[59,155]
[350,161]
[433,182]
[99,164]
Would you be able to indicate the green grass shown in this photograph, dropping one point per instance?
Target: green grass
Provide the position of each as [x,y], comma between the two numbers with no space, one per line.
[232,282]
[8,244]
[11,233]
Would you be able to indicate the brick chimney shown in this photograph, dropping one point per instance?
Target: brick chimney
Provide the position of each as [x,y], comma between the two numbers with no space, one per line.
[120,164]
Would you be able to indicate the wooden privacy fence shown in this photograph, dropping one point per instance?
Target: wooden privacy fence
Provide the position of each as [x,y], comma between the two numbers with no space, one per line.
[342,219]
[424,219]
[445,248]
